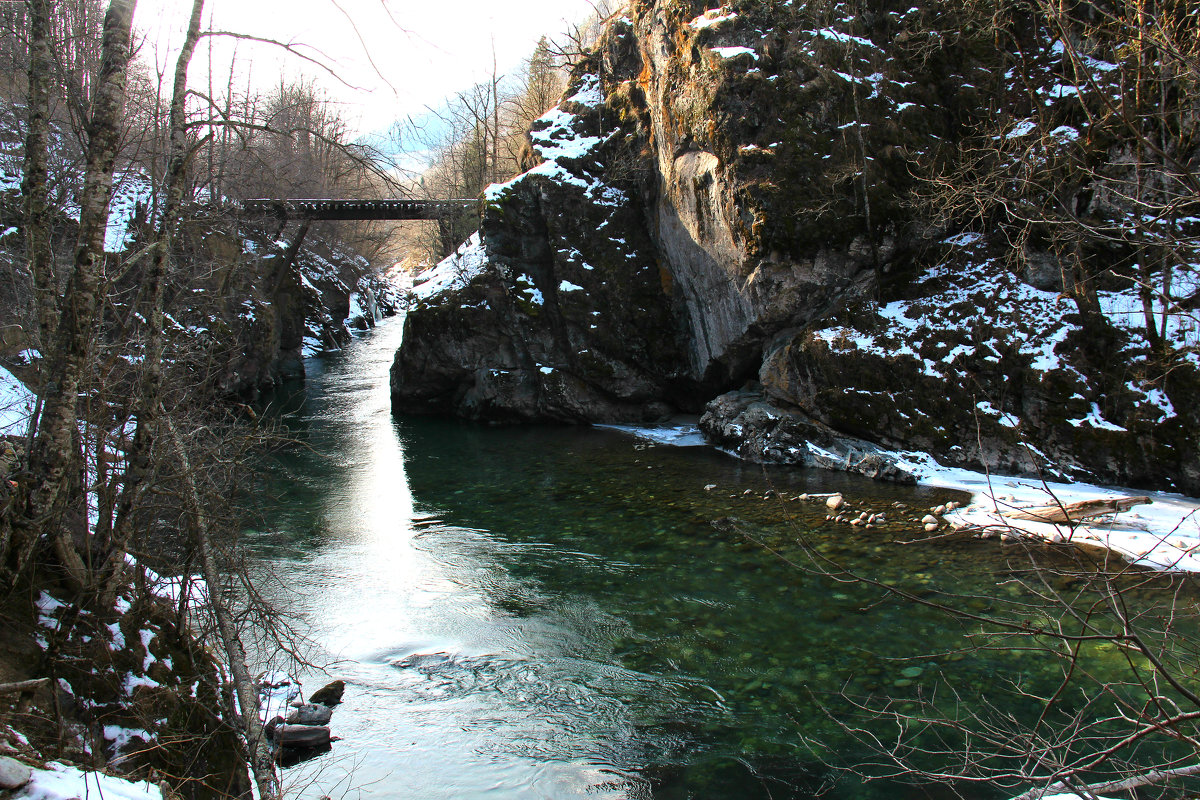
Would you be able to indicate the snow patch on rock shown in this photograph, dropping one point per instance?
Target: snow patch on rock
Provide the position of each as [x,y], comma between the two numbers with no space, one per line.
[454,272]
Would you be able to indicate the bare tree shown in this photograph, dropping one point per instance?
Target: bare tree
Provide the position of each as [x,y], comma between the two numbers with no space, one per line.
[53,455]
[1116,708]
[481,136]
[35,180]
[541,84]
[113,538]
[577,42]
[262,759]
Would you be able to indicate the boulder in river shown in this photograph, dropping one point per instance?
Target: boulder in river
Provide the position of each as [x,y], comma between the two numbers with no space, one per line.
[302,737]
[328,695]
[310,714]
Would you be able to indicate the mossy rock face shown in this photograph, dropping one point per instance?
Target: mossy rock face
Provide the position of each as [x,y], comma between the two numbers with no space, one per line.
[1024,391]
[787,153]
[772,161]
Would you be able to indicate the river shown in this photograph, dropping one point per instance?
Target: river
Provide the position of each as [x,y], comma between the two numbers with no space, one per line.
[551,612]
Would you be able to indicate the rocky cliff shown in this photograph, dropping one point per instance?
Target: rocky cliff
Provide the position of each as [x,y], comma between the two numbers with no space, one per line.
[263,304]
[744,210]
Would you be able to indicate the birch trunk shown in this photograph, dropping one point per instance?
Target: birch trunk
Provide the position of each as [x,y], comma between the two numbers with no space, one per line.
[34,184]
[139,464]
[54,453]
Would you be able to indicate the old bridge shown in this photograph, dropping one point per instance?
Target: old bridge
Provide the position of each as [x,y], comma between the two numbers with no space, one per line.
[315,208]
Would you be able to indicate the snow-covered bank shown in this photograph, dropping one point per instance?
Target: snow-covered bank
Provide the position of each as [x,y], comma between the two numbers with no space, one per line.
[61,782]
[1162,535]
[673,433]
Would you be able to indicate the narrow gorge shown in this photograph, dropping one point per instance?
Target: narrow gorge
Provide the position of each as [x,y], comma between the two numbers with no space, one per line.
[763,399]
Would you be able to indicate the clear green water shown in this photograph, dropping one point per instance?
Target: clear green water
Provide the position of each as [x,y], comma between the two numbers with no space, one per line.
[547,612]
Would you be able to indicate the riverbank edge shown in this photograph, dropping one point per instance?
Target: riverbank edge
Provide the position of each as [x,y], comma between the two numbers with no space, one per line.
[1162,535]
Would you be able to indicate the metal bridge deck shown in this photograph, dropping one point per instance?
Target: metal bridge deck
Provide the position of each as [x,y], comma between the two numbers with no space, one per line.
[318,208]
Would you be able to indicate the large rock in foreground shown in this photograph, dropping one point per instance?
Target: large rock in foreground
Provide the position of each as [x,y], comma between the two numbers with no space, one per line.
[1024,390]
[749,424]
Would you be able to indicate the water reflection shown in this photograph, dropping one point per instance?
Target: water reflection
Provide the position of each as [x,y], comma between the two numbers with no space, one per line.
[452,693]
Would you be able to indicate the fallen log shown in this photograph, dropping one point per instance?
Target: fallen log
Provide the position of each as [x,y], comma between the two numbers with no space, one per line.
[1068,513]
[23,686]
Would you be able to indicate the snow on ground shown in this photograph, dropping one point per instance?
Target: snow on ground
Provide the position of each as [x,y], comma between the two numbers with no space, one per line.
[277,690]
[453,272]
[1162,535]
[61,782]
[16,405]
[590,93]
[171,587]
[131,188]
[1037,322]
[312,345]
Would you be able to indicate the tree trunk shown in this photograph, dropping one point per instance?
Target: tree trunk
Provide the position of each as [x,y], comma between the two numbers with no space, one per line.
[34,185]
[54,450]
[262,760]
[139,464]
[35,190]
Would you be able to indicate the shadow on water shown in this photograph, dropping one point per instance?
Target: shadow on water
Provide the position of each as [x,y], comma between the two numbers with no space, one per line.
[549,612]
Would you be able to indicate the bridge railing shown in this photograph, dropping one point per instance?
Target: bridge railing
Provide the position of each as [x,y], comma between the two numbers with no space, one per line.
[340,209]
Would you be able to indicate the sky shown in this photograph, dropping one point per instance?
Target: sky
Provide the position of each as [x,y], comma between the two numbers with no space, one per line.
[391,59]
